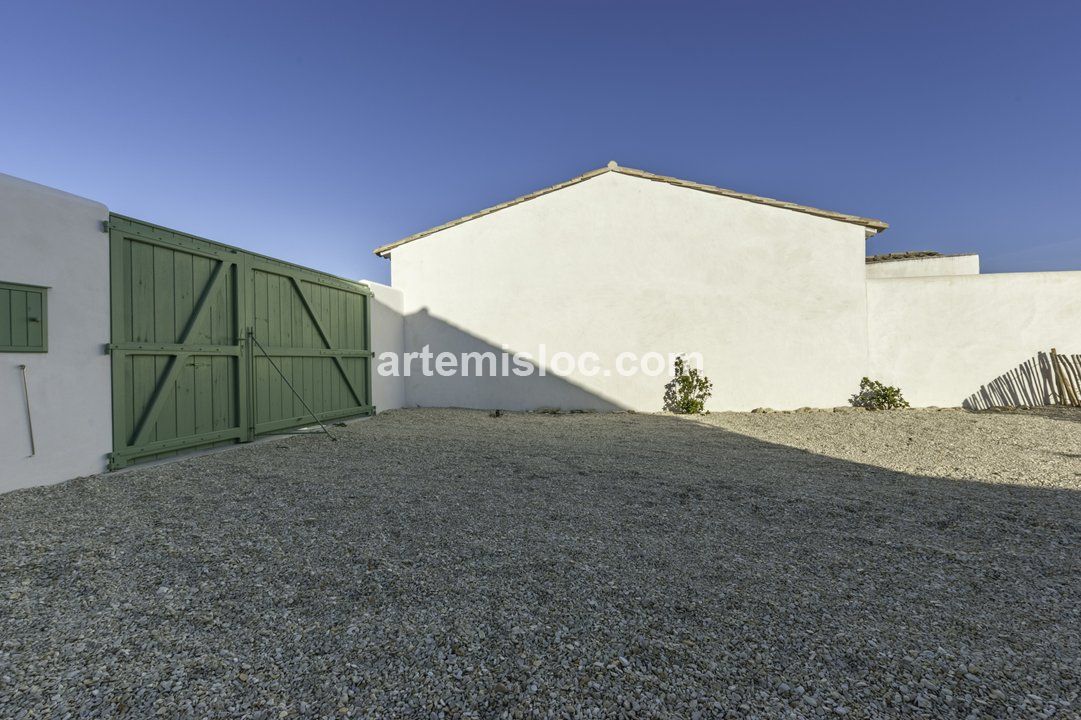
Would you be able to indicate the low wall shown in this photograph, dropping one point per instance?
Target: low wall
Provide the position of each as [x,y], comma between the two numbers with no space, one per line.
[54,239]
[972,340]
[388,335]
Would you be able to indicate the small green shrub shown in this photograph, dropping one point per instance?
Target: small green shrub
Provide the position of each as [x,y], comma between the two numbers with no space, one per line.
[687,392]
[873,395]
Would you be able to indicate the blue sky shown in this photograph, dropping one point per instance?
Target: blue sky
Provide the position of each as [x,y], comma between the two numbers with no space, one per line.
[316,131]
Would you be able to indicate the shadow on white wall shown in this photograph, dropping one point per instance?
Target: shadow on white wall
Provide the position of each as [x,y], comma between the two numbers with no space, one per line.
[1030,384]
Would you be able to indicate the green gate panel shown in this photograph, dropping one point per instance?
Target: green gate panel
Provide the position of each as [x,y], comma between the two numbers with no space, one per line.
[212,345]
[311,332]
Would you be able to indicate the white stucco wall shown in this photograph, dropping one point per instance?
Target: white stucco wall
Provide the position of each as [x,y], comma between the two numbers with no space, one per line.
[54,239]
[943,340]
[388,335]
[774,299]
[925,267]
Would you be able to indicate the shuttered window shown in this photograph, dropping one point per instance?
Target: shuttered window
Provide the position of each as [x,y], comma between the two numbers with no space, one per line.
[23,326]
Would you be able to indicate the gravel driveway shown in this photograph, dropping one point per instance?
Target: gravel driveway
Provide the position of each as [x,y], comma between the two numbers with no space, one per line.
[445,563]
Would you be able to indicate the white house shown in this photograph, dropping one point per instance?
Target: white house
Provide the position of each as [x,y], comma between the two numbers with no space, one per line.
[779,299]
[108,358]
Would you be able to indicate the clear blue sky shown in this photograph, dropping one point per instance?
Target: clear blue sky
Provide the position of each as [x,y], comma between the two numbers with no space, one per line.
[315,131]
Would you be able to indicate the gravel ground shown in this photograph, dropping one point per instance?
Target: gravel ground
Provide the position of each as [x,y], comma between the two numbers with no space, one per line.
[445,563]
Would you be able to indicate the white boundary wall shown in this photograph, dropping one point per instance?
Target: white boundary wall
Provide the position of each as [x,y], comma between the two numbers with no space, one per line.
[51,238]
[943,339]
[388,335]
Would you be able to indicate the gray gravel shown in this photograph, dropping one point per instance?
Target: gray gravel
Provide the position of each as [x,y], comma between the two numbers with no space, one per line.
[445,563]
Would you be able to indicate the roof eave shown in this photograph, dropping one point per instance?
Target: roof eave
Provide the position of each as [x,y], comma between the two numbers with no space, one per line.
[384,251]
[870,223]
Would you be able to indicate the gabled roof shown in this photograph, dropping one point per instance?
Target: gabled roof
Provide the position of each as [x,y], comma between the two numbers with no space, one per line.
[873,226]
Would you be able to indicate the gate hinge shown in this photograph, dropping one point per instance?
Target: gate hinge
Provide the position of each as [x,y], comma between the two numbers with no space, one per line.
[105,226]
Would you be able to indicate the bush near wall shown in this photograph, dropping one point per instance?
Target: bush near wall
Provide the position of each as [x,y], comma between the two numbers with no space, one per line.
[874,395]
[687,392]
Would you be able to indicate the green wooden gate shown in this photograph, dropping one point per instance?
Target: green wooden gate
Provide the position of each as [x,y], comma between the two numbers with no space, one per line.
[213,345]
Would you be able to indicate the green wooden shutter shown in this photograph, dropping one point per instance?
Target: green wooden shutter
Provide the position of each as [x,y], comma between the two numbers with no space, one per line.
[23,322]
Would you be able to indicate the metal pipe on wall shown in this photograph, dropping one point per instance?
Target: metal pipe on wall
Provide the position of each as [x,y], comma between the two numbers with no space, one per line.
[29,419]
